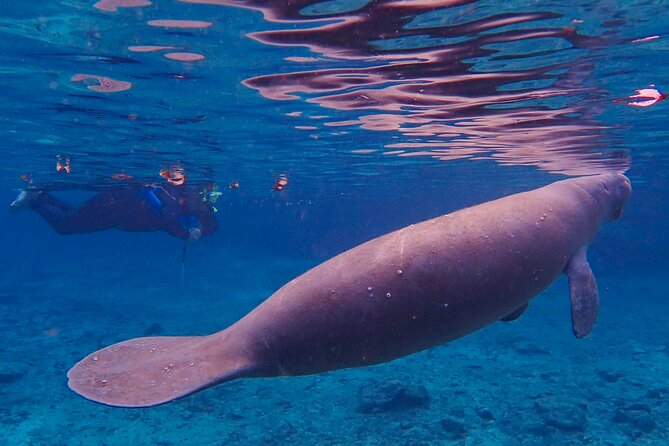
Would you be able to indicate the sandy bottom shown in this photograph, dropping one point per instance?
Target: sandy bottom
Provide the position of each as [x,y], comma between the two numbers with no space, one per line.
[527,382]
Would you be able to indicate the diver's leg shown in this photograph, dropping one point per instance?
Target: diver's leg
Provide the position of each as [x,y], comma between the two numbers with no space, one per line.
[91,216]
[52,210]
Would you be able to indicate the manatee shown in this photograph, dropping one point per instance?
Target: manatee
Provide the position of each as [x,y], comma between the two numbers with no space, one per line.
[403,292]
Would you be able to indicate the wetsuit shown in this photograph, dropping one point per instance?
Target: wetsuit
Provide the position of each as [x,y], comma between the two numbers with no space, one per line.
[174,209]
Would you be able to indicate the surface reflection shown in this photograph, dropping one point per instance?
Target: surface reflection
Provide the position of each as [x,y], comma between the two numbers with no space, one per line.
[439,73]
[101,84]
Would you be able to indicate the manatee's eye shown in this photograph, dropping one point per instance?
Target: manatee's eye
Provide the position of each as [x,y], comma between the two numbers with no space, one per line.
[605,186]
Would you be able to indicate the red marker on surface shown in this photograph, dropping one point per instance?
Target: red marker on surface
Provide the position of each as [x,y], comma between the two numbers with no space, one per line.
[280,183]
[63,164]
[121,177]
[645,97]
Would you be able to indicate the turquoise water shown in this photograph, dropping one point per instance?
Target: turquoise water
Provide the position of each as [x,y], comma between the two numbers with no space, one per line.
[379,114]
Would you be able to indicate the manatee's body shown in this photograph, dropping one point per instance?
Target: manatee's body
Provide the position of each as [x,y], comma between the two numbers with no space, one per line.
[398,294]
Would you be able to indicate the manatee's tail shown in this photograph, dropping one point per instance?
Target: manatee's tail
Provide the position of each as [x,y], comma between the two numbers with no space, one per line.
[149,371]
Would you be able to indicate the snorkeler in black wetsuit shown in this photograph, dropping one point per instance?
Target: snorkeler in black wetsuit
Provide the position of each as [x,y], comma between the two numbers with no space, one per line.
[179,210]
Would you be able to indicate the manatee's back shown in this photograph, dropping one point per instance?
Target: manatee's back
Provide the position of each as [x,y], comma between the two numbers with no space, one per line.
[425,284]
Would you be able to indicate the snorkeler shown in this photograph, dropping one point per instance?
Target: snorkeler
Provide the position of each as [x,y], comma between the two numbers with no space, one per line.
[183,211]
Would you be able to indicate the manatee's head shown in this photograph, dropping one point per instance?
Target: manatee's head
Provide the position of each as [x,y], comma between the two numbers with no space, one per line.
[611,190]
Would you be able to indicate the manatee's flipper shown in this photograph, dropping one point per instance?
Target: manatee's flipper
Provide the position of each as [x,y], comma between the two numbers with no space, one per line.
[515,314]
[149,371]
[583,293]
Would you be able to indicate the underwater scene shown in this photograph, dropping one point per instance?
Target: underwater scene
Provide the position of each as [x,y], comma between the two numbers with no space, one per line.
[340,222]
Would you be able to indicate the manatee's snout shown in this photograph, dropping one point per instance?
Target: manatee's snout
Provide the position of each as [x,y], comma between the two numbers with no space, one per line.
[613,191]
[610,190]
[620,190]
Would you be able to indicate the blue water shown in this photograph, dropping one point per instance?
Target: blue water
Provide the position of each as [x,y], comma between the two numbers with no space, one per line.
[380,114]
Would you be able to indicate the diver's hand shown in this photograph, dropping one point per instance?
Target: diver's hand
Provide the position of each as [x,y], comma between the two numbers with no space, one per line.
[194,234]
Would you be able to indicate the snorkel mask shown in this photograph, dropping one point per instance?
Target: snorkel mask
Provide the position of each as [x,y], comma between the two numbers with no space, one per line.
[210,194]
